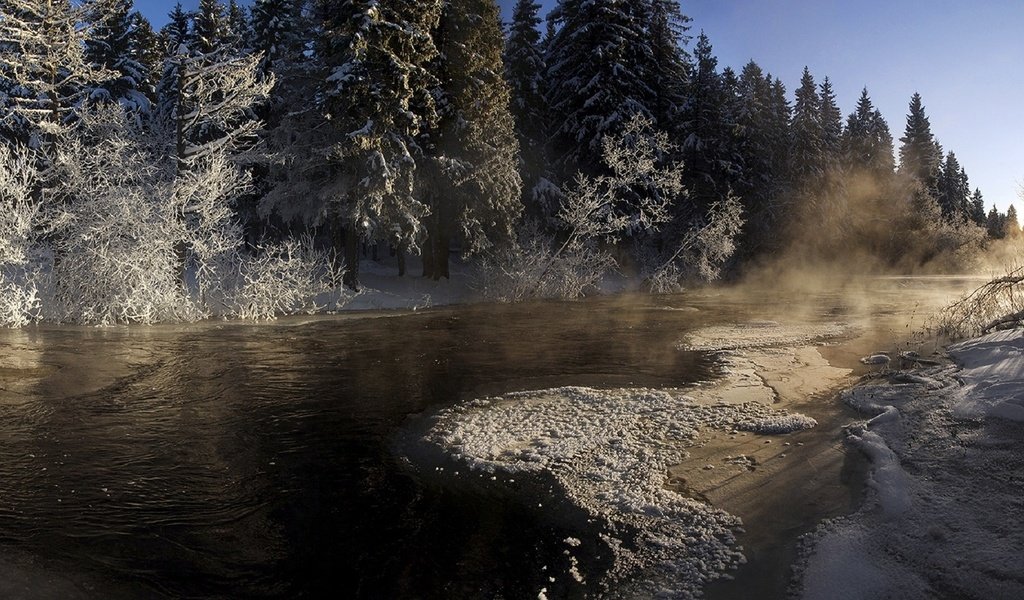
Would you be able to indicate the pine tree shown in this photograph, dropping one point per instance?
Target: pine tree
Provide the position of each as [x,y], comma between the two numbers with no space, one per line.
[378,98]
[705,130]
[978,208]
[210,27]
[598,70]
[831,127]
[237,31]
[277,33]
[177,38]
[474,185]
[995,224]
[667,31]
[115,47]
[867,143]
[45,58]
[920,153]
[808,155]
[524,70]
[1011,226]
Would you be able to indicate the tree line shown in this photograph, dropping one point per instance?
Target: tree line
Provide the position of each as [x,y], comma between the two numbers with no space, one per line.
[427,125]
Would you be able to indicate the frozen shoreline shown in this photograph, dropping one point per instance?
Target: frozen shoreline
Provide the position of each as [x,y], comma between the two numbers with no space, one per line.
[943,512]
[615,453]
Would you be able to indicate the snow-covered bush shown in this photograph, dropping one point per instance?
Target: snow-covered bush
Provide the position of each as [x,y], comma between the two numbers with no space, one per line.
[530,269]
[595,213]
[704,251]
[278,279]
[136,240]
[23,259]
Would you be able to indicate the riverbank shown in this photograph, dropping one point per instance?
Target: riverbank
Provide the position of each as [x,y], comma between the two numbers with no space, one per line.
[676,480]
[942,515]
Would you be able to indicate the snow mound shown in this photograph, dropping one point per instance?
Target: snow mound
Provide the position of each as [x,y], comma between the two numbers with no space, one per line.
[761,334]
[610,451]
[942,513]
[993,370]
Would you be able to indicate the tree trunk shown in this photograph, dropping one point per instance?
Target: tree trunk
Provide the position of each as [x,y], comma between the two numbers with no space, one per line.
[401,259]
[442,249]
[428,253]
[351,277]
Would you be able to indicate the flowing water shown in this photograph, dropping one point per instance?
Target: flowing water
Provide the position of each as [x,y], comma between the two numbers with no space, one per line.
[234,460]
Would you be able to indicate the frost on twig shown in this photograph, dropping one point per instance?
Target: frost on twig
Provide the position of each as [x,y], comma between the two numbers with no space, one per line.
[998,304]
[596,212]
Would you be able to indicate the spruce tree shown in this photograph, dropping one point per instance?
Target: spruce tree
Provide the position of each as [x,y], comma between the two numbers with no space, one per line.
[763,120]
[237,31]
[1011,226]
[116,47]
[598,71]
[524,70]
[995,224]
[831,126]
[954,191]
[177,38]
[978,208]
[667,31]
[808,152]
[474,184]
[705,130]
[920,153]
[210,27]
[276,33]
[867,143]
[378,97]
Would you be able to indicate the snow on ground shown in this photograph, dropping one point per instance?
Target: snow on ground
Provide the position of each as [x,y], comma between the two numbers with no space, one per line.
[946,488]
[382,289]
[610,452]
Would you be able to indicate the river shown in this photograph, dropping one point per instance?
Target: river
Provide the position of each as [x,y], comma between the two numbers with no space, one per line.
[270,460]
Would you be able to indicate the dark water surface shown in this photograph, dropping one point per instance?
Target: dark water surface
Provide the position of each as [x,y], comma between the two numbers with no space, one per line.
[233,460]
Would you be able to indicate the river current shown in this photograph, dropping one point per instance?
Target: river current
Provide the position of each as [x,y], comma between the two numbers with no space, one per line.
[268,460]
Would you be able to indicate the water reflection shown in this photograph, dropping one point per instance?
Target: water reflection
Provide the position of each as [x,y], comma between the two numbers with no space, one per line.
[258,461]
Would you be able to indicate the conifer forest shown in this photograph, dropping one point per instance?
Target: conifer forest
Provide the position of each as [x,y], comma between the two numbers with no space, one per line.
[511,299]
[241,162]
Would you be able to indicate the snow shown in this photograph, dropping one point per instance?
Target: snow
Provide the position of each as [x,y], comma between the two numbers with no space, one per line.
[994,367]
[609,451]
[943,508]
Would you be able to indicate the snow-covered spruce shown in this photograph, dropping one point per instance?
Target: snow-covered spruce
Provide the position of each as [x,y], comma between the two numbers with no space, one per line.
[941,519]
[610,451]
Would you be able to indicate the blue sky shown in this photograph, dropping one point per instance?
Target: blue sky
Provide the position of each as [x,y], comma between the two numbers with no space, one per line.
[965,58]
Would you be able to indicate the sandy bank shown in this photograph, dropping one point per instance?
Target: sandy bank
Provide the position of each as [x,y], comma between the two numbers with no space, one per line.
[666,472]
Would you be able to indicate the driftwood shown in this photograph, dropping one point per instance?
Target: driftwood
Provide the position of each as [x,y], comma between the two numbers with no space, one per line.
[998,304]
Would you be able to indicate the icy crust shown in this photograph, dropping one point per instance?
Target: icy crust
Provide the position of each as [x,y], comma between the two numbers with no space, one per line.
[610,451]
[762,334]
[993,370]
[943,511]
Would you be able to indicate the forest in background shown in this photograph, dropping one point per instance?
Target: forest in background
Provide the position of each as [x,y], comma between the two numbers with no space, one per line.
[240,163]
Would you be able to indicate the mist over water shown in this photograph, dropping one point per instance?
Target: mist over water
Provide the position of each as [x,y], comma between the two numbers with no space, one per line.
[267,460]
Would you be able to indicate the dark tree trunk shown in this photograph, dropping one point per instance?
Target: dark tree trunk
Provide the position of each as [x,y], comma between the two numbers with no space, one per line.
[428,252]
[400,251]
[351,277]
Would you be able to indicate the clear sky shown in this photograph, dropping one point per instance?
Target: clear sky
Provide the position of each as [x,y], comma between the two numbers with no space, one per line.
[966,58]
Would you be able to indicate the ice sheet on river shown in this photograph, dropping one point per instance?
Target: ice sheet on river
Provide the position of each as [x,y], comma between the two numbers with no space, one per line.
[943,515]
[610,452]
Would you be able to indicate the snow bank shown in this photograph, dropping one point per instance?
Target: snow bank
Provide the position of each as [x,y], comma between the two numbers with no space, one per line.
[610,451]
[993,372]
[943,511]
[762,334]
